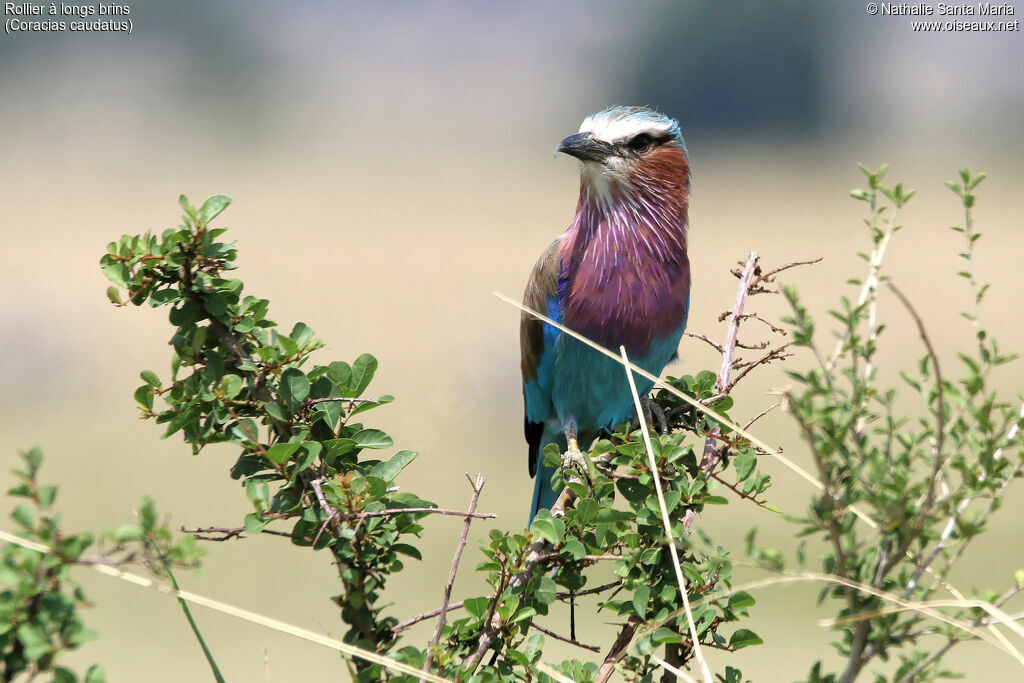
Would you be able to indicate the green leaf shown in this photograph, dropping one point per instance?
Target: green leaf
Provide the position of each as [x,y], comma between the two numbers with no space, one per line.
[275,411]
[23,515]
[294,387]
[612,515]
[33,458]
[64,675]
[215,304]
[230,386]
[310,451]
[641,596]
[302,334]
[740,600]
[362,372]
[144,396]
[34,641]
[118,273]
[390,469]
[187,207]
[586,509]
[147,514]
[339,447]
[574,549]
[476,607]
[744,462]
[215,364]
[254,524]
[546,591]
[524,613]
[47,495]
[545,528]
[744,637]
[114,294]
[408,550]
[280,452]
[212,207]
[340,374]
[373,438]
[666,635]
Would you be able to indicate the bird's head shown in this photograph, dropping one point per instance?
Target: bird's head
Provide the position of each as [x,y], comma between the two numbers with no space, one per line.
[622,147]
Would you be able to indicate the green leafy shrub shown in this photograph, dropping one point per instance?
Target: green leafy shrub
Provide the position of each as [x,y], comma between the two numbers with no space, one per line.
[894,509]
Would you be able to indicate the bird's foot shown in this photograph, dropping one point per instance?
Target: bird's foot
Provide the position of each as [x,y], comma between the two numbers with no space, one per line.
[573,457]
[653,411]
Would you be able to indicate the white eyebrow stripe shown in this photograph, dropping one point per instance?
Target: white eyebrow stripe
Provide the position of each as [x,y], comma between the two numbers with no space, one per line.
[615,130]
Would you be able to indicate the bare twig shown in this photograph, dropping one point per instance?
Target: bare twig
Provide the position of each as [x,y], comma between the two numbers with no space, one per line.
[329,510]
[746,366]
[772,326]
[339,399]
[769,277]
[562,595]
[761,414]
[418,511]
[547,632]
[940,418]
[412,621]
[704,338]
[478,486]
[736,489]
[618,648]
[586,558]
[228,533]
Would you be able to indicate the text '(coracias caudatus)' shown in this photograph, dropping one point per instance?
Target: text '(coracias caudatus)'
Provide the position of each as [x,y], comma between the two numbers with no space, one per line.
[619,276]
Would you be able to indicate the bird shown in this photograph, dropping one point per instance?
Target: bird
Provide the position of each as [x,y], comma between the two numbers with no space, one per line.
[619,275]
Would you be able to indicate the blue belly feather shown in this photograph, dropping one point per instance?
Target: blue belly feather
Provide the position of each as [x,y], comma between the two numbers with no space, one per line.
[576,384]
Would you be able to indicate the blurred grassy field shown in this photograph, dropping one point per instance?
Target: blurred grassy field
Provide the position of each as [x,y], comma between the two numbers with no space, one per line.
[404,269]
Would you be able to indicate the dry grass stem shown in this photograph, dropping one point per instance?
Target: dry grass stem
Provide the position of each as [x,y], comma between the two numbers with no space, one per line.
[666,520]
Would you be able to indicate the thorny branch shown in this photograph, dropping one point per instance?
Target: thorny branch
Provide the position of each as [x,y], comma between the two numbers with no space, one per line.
[752,281]
[478,486]
[711,454]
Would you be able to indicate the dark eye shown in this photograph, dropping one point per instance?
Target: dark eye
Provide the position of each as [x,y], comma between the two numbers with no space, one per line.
[641,143]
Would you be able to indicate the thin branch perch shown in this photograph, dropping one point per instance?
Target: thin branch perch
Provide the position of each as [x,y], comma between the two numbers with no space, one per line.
[478,486]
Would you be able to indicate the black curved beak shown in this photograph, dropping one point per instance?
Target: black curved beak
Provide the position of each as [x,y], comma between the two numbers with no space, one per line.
[585,147]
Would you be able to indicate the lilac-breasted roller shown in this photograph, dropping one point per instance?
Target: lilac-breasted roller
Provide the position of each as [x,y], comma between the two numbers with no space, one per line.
[619,276]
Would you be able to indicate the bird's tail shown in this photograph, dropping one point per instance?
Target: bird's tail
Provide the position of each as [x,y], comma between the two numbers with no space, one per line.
[543,495]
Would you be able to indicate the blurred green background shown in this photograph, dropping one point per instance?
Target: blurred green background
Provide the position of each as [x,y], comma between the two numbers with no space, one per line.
[391,165]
